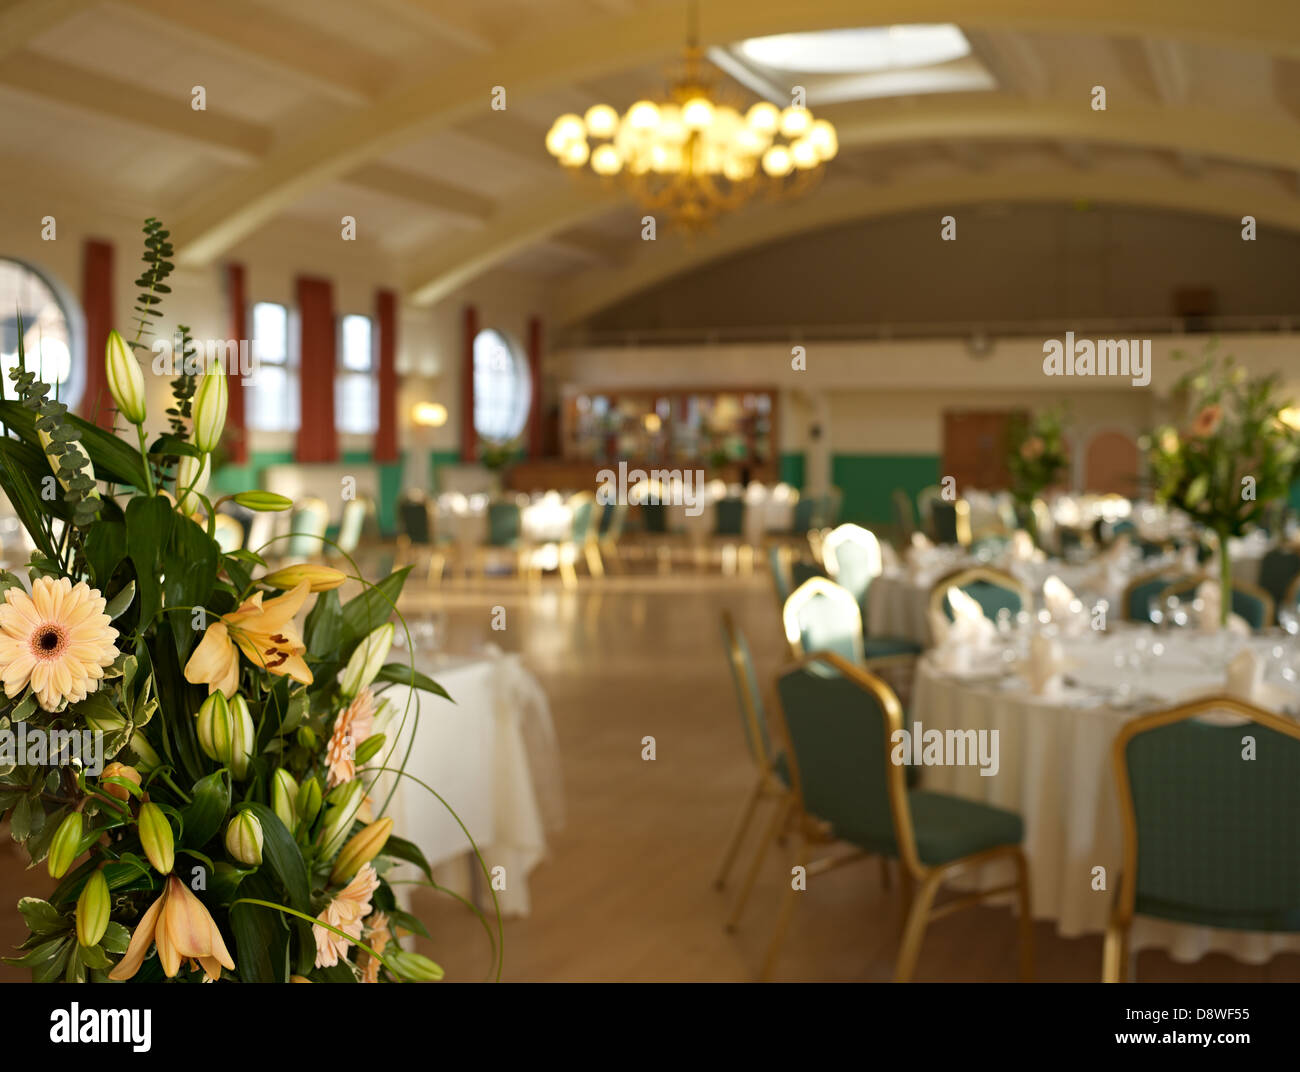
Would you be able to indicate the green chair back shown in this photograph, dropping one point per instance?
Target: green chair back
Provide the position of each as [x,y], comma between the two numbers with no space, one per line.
[1278,568]
[836,731]
[943,517]
[654,518]
[991,597]
[413,520]
[802,570]
[856,562]
[1218,836]
[352,524]
[780,576]
[582,515]
[1255,608]
[805,514]
[612,519]
[822,616]
[1140,594]
[505,523]
[904,515]
[729,517]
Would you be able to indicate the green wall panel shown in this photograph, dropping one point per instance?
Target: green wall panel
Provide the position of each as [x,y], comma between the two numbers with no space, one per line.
[868,481]
[792,466]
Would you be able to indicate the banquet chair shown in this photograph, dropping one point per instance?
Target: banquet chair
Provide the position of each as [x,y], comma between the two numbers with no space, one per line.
[1136,601]
[822,616]
[779,558]
[773,780]
[1209,840]
[992,589]
[612,521]
[1249,601]
[505,533]
[852,558]
[228,533]
[950,522]
[729,534]
[415,533]
[655,534]
[583,533]
[904,517]
[307,530]
[838,723]
[1279,570]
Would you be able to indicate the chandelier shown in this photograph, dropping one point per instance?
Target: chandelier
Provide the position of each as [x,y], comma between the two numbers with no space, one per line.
[695,156]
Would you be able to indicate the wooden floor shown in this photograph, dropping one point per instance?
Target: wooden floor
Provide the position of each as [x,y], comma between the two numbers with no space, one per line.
[627,893]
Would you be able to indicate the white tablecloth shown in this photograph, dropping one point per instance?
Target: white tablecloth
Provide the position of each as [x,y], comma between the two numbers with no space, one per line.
[1055,770]
[492,756]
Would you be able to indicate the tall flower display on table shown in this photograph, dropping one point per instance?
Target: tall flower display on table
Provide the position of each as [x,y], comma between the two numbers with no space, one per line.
[229,824]
[1036,459]
[1233,453]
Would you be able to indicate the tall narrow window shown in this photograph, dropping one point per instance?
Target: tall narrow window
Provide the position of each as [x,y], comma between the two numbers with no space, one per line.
[503,388]
[356,400]
[273,390]
[52,330]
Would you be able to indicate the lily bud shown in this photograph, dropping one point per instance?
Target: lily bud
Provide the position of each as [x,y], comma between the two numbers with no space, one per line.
[146,759]
[244,839]
[321,578]
[92,909]
[263,501]
[65,846]
[215,727]
[191,482]
[309,801]
[366,660]
[156,838]
[414,967]
[284,793]
[339,817]
[243,737]
[125,380]
[306,737]
[369,748]
[120,770]
[360,850]
[299,979]
[104,723]
[210,402]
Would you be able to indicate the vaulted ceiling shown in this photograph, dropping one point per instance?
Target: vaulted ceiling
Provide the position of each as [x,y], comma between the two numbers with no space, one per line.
[381,110]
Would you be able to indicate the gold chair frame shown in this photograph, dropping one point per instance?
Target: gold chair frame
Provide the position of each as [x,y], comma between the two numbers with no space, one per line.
[920,882]
[1118,963]
[767,786]
[970,574]
[805,594]
[1195,580]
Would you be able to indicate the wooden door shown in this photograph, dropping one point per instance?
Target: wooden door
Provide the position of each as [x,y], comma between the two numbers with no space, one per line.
[975,448]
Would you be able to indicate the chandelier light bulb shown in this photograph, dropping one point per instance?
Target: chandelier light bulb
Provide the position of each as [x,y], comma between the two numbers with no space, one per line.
[777,161]
[697,113]
[575,154]
[795,121]
[601,121]
[804,154]
[823,137]
[643,116]
[566,129]
[764,118]
[606,160]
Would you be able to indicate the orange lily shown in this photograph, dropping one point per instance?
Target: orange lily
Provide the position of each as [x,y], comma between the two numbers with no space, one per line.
[182,929]
[265,633]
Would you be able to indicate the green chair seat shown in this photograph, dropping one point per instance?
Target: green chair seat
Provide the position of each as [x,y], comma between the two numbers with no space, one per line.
[947,828]
[883,647]
[1283,920]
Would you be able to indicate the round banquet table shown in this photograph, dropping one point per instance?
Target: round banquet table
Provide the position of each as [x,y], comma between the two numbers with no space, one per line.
[1056,771]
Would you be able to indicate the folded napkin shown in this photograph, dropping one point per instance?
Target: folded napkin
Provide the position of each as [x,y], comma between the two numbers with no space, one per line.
[1064,606]
[1022,548]
[888,558]
[1210,596]
[1245,677]
[1045,668]
[969,632]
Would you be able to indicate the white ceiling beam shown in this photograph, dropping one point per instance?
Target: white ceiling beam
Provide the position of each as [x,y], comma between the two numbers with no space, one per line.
[433,18]
[606,45]
[1077,154]
[107,98]
[284,47]
[592,291]
[1013,60]
[21,21]
[1167,65]
[422,190]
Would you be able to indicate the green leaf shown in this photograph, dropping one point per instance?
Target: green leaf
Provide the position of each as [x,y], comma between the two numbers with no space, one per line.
[116,938]
[174,445]
[94,957]
[323,628]
[148,526]
[42,917]
[105,547]
[369,610]
[401,849]
[118,604]
[190,567]
[404,675]
[205,814]
[281,853]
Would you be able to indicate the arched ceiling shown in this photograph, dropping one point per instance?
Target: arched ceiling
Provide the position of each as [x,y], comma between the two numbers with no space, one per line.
[381,110]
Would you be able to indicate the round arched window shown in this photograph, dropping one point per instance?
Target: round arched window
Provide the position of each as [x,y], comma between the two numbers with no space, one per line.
[53,335]
[503,387]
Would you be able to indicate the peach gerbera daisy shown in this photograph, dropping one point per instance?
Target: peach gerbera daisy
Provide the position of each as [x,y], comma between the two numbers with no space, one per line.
[345,911]
[380,936]
[1207,421]
[58,640]
[355,723]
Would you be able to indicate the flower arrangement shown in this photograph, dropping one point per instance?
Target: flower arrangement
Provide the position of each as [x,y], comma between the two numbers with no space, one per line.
[1036,459]
[233,835]
[1234,453]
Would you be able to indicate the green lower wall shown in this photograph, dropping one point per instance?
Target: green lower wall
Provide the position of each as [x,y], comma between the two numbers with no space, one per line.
[792,466]
[868,481]
[235,478]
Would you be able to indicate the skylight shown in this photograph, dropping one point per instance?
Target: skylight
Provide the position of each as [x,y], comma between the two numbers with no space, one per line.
[858,51]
